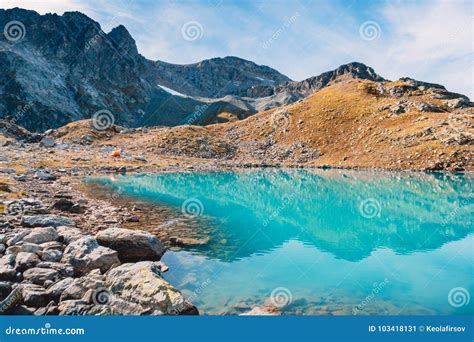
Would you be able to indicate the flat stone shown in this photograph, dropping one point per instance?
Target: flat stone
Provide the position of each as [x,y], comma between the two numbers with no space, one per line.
[52,245]
[131,245]
[30,247]
[64,270]
[41,235]
[39,275]
[47,221]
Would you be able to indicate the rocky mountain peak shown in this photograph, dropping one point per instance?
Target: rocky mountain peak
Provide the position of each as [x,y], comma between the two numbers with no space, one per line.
[123,40]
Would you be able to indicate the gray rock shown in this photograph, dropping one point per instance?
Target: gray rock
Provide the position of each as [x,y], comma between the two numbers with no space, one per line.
[39,275]
[47,221]
[5,289]
[52,255]
[31,247]
[59,287]
[131,245]
[25,260]
[17,237]
[85,255]
[2,248]
[44,176]
[69,234]
[79,286]
[141,283]
[41,235]
[7,270]
[35,295]
[52,245]
[64,270]
[47,142]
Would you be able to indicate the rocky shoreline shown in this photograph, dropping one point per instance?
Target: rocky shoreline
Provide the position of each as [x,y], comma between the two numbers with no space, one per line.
[50,265]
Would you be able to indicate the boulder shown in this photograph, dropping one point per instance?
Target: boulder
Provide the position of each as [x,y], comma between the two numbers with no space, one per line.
[47,221]
[30,247]
[69,234]
[7,271]
[64,270]
[41,235]
[17,237]
[141,283]
[131,245]
[79,286]
[38,275]
[85,255]
[59,287]
[35,295]
[5,289]
[52,255]
[25,260]
[47,142]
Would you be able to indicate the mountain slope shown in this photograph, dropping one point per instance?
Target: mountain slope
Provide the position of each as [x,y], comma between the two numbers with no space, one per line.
[404,124]
[66,68]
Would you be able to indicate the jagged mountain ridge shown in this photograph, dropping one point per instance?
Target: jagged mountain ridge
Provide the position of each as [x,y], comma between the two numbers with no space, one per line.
[66,68]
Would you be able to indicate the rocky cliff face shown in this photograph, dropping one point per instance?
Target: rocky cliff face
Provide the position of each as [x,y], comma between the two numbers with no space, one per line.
[65,68]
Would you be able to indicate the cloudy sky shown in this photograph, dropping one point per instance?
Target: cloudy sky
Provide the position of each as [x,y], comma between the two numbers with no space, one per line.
[427,40]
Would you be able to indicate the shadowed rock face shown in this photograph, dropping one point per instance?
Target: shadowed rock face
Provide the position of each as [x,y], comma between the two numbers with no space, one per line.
[66,68]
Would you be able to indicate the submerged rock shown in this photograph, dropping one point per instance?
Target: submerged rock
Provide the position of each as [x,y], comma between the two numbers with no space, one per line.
[131,245]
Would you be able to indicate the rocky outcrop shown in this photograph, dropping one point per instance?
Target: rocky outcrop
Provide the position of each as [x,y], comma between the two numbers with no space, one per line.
[85,255]
[142,284]
[131,245]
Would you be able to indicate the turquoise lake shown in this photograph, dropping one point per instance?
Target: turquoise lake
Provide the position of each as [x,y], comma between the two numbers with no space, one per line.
[319,242]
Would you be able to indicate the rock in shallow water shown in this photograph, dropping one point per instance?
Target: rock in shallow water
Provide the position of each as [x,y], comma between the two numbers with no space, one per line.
[131,245]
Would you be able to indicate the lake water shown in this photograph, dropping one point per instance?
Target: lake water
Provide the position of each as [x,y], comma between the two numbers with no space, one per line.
[322,242]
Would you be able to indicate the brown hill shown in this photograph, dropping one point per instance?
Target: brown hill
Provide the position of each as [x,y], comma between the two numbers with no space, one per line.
[355,123]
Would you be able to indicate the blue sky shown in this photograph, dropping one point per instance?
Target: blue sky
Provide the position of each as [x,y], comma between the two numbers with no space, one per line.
[426,40]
